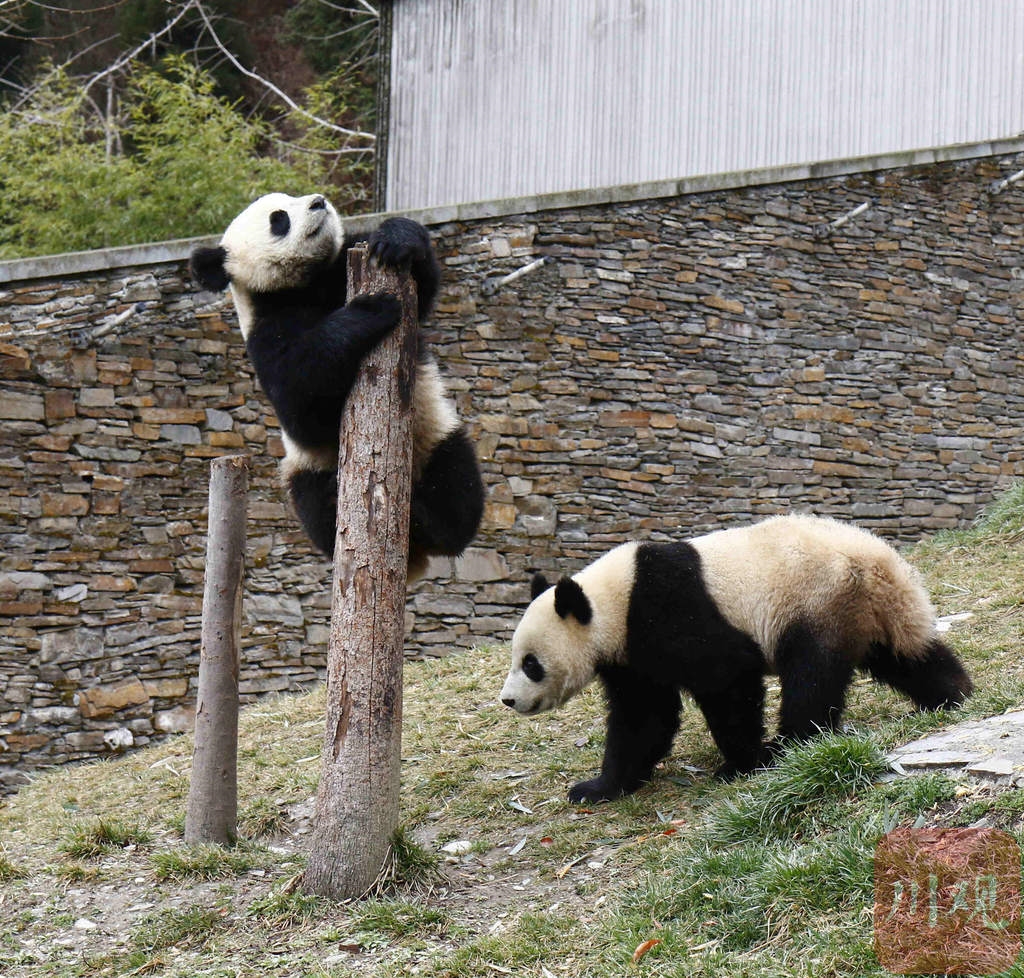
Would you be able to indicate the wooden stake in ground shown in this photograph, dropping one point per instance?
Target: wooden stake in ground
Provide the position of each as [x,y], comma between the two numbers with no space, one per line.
[357,801]
[213,790]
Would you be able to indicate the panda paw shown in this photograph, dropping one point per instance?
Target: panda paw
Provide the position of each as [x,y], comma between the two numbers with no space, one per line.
[728,772]
[399,243]
[593,790]
[765,758]
[383,306]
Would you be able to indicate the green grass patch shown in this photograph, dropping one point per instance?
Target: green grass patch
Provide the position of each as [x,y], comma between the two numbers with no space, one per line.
[76,872]
[288,907]
[262,818]
[1003,517]
[177,928]
[384,921]
[778,867]
[10,871]
[534,940]
[411,863]
[203,863]
[823,769]
[101,837]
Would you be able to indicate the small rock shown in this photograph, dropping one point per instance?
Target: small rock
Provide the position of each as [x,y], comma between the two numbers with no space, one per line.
[457,847]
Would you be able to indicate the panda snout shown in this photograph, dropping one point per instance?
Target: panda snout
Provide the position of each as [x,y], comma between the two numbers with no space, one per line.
[509,701]
[318,203]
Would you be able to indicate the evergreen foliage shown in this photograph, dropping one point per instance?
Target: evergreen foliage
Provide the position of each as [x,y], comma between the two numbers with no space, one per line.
[177,161]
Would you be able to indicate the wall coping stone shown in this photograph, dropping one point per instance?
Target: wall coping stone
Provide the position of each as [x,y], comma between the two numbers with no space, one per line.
[81,262]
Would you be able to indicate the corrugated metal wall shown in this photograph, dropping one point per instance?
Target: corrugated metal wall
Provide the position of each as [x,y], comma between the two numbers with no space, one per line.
[499,98]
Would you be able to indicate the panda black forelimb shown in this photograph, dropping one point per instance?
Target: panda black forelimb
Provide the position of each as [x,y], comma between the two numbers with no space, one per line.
[206,266]
[642,722]
[734,713]
[404,244]
[348,334]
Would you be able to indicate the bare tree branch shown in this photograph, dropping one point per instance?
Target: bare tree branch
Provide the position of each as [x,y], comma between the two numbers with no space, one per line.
[207,45]
[362,7]
[130,56]
[270,86]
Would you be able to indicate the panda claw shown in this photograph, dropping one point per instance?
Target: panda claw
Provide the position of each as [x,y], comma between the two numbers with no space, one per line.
[381,304]
[398,243]
[591,791]
[766,758]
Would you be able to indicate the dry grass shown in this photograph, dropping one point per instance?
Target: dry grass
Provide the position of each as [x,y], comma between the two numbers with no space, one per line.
[544,888]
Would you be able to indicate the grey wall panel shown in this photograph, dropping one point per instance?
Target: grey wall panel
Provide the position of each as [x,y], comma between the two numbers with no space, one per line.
[498,98]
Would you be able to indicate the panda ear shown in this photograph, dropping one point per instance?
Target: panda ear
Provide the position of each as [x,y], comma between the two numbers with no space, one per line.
[538,586]
[207,268]
[570,600]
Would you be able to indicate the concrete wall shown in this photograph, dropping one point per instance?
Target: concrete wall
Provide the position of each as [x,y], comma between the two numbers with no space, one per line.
[680,361]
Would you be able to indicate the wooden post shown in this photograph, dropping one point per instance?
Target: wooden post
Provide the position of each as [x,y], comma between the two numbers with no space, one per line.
[357,800]
[212,810]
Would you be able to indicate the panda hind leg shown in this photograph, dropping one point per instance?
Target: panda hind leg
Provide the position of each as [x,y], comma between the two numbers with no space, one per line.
[315,498]
[814,678]
[735,717]
[447,499]
[935,680]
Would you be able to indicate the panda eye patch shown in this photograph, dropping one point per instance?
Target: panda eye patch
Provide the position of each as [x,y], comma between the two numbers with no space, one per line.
[532,668]
[280,223]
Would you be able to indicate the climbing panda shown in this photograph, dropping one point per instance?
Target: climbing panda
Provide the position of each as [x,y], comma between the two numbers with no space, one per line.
[806,598]
[284,259]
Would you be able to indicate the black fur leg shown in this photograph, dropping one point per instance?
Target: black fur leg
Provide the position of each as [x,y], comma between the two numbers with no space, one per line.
[448,498]
[402,243]
[315,497]
[935,681]
[735,717]
[643,717]
[814,679]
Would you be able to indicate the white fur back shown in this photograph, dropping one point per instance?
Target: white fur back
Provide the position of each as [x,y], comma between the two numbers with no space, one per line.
[785,569]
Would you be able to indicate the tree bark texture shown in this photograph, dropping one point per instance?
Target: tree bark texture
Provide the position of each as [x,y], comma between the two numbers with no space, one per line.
[357,799]
[211,815]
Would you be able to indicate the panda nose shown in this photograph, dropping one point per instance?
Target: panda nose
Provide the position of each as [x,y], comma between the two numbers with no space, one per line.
[509,701]
[318,203]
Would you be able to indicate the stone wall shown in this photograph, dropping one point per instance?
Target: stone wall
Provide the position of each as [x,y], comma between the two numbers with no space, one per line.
[677,363]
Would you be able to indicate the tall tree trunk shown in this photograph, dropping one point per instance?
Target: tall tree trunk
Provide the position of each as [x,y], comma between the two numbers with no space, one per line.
[212,810]
[357,800]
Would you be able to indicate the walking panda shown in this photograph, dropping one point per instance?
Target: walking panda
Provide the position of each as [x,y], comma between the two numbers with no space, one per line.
[807,598]
[284,259]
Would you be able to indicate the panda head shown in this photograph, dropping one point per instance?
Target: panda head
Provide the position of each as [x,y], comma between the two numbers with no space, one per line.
[554,648]
[277,242]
